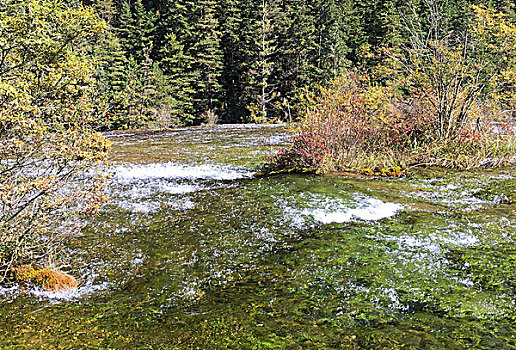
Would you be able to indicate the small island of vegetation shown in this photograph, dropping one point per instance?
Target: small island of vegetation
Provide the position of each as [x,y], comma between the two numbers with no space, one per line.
[444,99]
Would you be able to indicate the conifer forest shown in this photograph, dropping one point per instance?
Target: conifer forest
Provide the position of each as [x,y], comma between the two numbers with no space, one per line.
[181,62]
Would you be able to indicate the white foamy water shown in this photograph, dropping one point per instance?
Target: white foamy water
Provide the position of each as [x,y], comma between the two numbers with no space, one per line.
[178,188]
[127,173]
[144,190]
[142,183]
[150,206]
[140,207]
[337,210]
[69,295]
[370,210]
[9,292]
[88,288]
[140,197]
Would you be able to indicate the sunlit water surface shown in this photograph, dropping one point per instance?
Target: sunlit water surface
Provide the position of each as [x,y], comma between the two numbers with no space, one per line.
[194,252]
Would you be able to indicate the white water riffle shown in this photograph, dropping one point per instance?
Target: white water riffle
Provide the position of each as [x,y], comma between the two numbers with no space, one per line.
[129,173]
[84,290]
[336,210]
[135,186]
[68,295]
[370,209]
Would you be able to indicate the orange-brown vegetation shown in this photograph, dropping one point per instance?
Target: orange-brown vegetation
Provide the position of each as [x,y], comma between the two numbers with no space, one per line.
[49,280]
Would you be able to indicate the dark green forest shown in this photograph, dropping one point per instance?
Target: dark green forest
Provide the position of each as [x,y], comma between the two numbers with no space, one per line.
[183,62]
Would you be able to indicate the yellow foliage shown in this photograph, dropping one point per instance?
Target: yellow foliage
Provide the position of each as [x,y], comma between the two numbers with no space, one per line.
[48,102]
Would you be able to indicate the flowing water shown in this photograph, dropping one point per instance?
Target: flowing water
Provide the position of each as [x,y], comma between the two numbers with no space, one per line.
[193,252]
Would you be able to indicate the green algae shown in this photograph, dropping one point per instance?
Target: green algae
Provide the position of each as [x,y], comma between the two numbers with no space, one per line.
[248,265]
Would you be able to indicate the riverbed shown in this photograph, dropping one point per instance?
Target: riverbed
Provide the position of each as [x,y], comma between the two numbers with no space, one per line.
[193,252]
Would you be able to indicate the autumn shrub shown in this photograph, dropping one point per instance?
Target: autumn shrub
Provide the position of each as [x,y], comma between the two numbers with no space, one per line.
[353,124]
[47,107]
[446,103]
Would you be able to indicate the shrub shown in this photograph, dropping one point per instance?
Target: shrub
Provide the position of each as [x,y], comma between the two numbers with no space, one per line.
[46,108]
[445,105]
[354,125]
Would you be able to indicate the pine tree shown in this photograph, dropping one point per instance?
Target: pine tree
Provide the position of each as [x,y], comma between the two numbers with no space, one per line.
[235,59]
[262,69]
[387,29]
[141,32]
[111,64]
[299,54]
[122,25]
[135,28]
[206,55]
[332,37]
[111,74]
[176,85]
[356,20]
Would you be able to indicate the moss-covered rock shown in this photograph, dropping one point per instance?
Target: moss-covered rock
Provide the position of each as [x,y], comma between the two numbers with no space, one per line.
[50,280]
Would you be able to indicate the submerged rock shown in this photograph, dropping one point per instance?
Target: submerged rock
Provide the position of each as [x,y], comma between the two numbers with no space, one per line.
[50,280]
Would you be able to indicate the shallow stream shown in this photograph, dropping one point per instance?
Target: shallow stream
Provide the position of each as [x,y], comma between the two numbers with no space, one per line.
[193,252]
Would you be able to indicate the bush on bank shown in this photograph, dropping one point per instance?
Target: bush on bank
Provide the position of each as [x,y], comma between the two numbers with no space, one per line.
[448,102]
